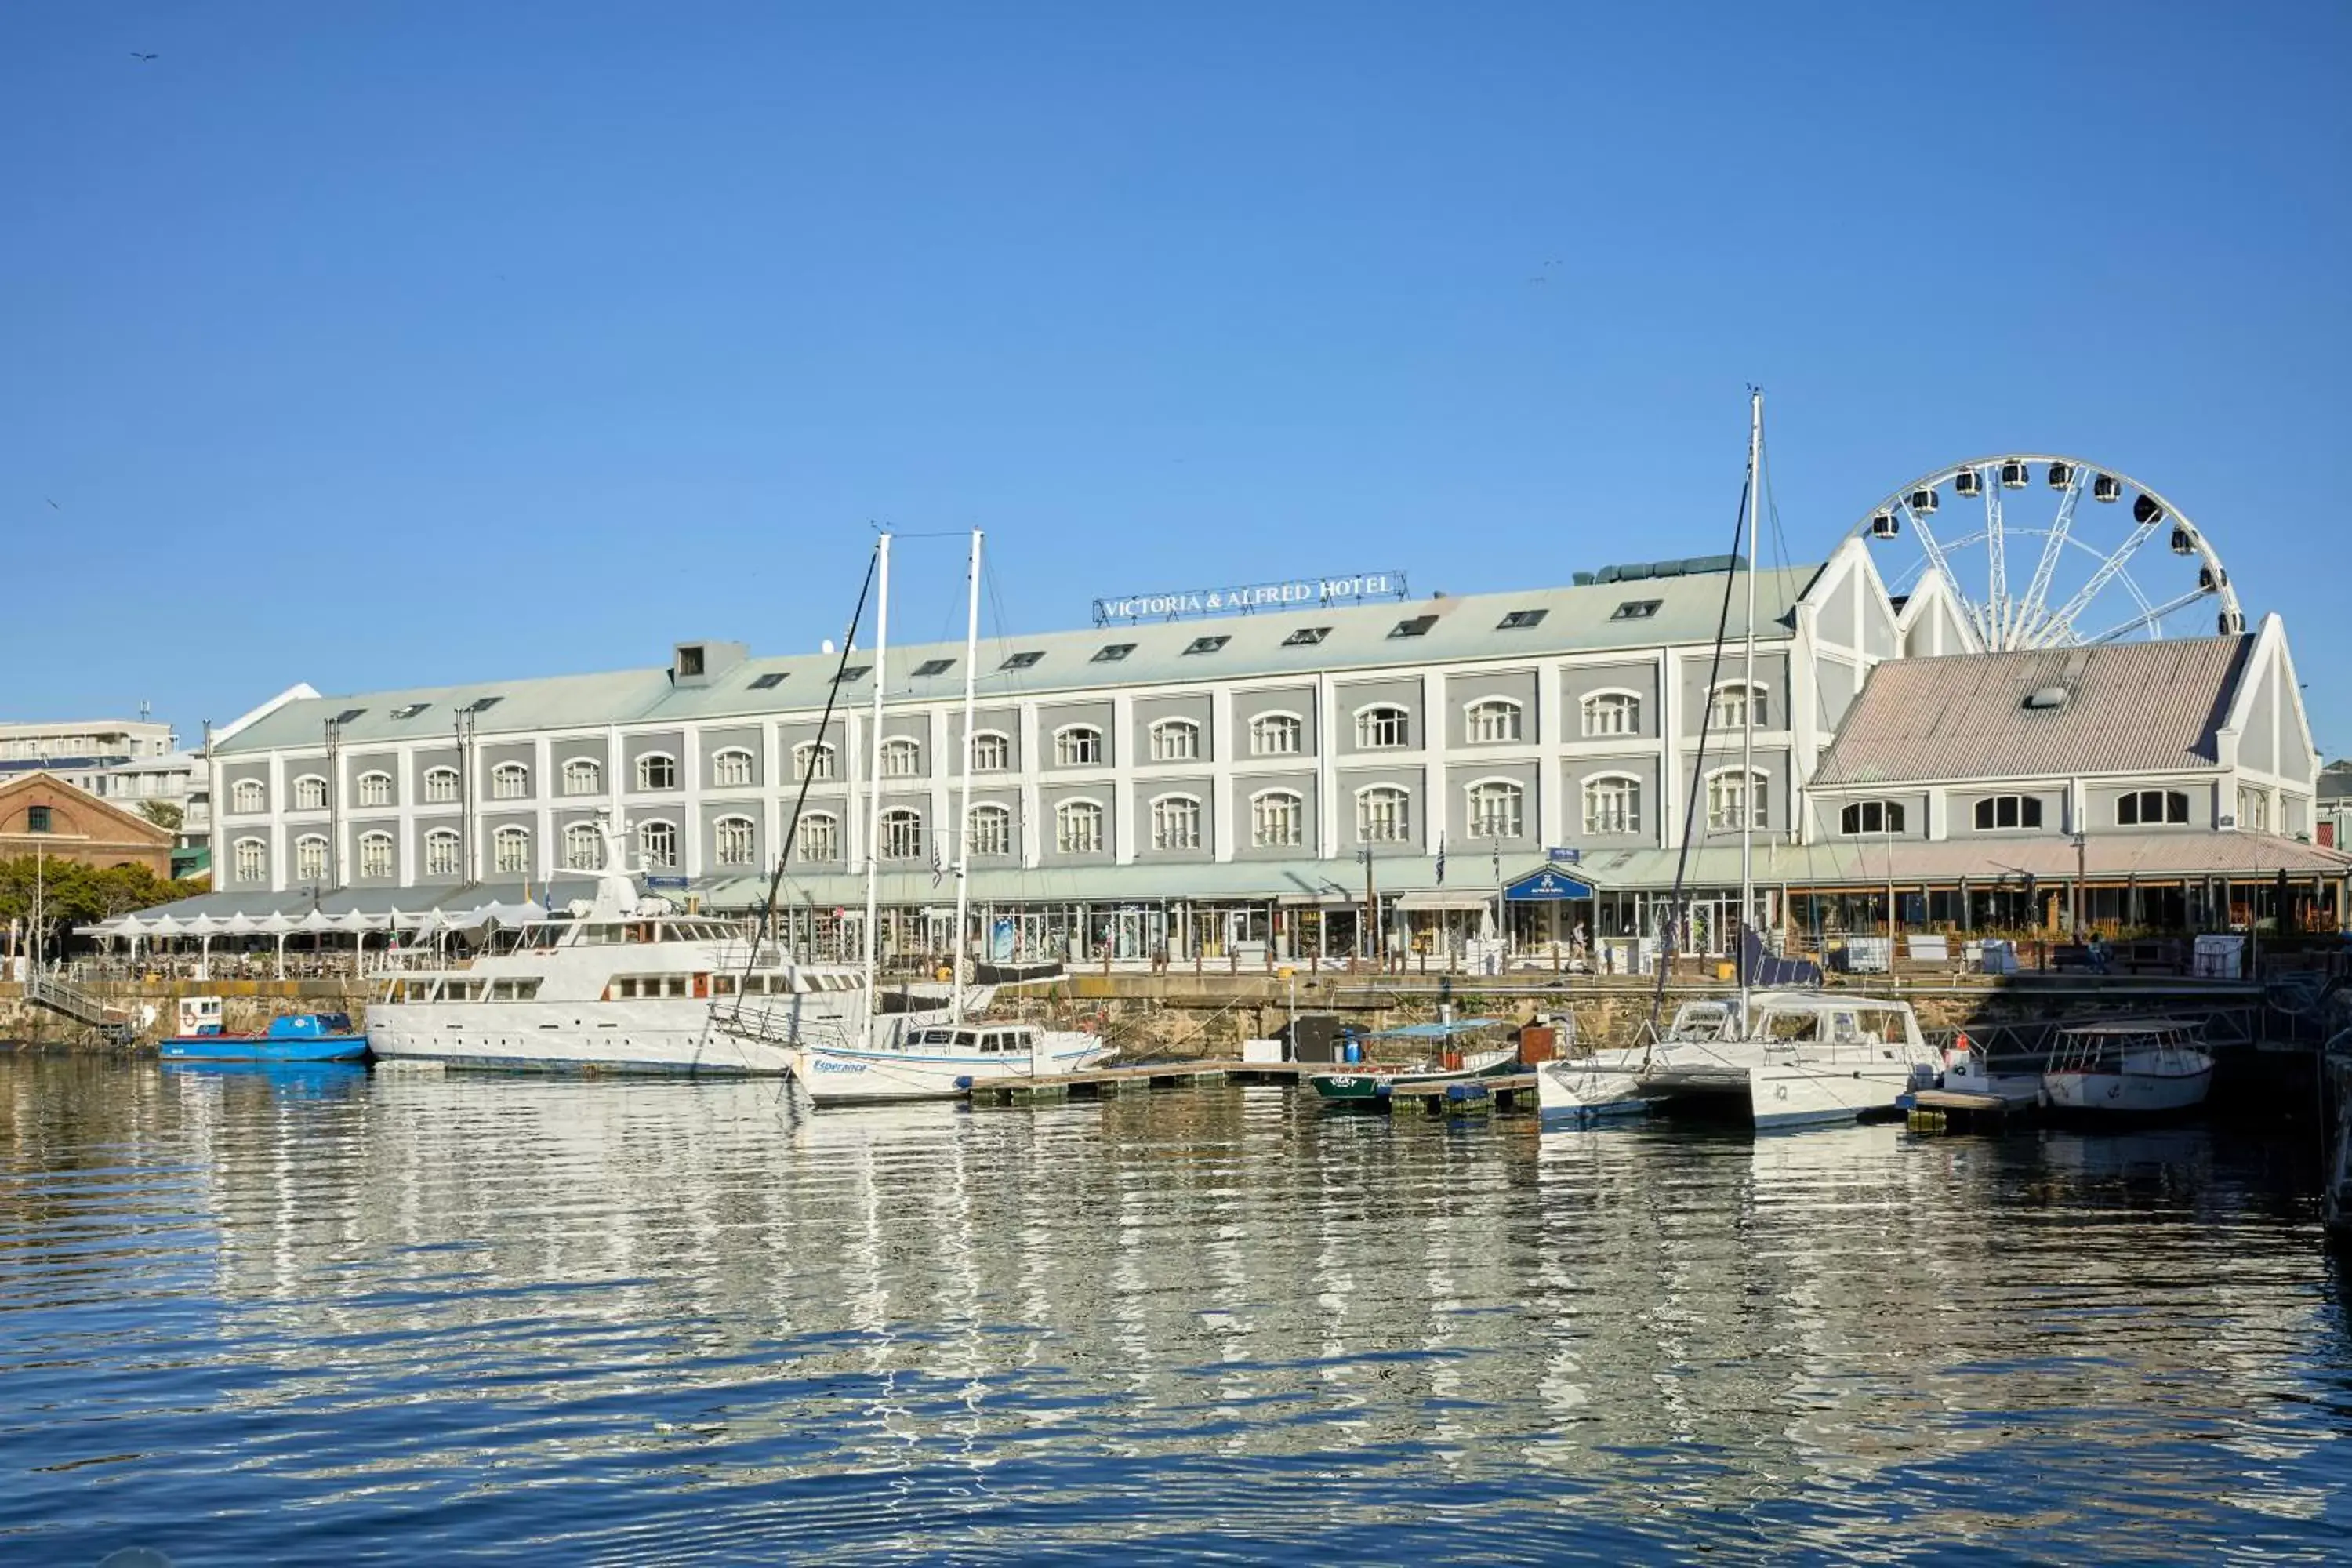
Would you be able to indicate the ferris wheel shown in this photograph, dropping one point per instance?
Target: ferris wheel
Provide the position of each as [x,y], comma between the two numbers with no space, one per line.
[2089,580]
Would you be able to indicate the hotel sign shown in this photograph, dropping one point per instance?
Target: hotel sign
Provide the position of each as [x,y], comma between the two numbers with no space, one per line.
[1297,594]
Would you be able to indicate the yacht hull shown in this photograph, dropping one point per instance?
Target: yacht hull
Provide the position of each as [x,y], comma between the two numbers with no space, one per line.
[2126,1093]
[1600,1087]
[1797,1095]
[842,1075]
[673,1035]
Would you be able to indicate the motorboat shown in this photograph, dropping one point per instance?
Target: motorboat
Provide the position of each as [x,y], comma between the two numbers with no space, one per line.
[295,1037]
[619,983]
[2149,1067]
[1371,1084]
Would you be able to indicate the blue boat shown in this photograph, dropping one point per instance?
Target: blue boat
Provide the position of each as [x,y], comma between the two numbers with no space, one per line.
[297,1037]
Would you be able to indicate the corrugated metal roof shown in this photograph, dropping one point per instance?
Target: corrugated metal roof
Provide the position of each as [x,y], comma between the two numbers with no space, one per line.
[2151,856]
[2139,707]
[1575,620]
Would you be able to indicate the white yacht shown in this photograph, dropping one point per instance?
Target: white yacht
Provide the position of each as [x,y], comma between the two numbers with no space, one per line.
[617,984]
[1791,1058]
[2144,1068]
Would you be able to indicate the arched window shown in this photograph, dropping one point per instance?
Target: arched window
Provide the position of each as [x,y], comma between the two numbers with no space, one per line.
[991,751]
[2253,809]
[1383,727]
[902,757]
[511,850]
[1278,819]
[1278,735]
[2000,813]
[1867,816]
[1384,814]
[584,775]
[1736,800]
[1078,746]
[1175,741]
[812,760]
[1078,828]
[441,853]
[733,841]
[1613,804]
[902,836]
[252,859]
[731,769]
[1491,720]
[1176,821]
[310,793]
[1496,809]
[375,856]
[509,781]
[309,858]
[375,789]
[990,831]
[656,770]
[1732,703]
[246,794]
[1613,713]
[818,836]
[440,785]
[658,844]
[583,848]
[2151,808]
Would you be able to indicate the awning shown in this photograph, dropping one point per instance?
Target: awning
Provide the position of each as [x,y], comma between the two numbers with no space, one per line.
[1442,898]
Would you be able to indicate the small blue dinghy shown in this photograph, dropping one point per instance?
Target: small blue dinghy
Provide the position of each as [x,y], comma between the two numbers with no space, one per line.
[296,1037]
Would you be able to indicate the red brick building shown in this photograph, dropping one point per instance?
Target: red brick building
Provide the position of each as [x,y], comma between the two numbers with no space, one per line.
[46,816]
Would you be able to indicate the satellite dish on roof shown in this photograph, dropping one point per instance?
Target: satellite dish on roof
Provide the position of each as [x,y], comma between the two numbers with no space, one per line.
[826,647]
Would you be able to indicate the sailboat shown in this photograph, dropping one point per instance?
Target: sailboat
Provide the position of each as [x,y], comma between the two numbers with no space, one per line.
[874,1057]
[1785,1056]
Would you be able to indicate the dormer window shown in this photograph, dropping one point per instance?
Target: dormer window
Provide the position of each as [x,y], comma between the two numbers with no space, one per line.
[1520,620]
[935,667]
[1206,645]
[853,672]
[410,710]
[1111,653]
[1635,610]
[1027,659]
[1417,625]
[1306,637]
[768,681]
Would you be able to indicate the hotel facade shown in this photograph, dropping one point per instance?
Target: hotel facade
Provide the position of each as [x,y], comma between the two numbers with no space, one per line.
[1241,786]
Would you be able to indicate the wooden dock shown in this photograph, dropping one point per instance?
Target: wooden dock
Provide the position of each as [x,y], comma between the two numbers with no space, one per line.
[1102,1083]
[1952,1109]
[1465,1097]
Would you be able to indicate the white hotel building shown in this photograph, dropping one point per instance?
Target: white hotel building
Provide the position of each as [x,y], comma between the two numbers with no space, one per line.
[1204,786]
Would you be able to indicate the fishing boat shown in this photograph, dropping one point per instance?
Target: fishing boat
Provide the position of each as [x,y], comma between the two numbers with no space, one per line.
[1371,1084]
[864,1054]
[2149,1067]
[297,1037]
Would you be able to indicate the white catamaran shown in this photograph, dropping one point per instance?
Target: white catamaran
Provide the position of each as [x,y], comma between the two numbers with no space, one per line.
[1787,1057]
[868,1056]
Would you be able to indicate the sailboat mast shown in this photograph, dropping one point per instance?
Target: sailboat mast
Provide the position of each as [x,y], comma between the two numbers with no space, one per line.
[963,790]
[1748,791]
[874,779]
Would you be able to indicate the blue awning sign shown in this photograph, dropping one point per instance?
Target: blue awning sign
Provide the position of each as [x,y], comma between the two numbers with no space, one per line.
[1545,886]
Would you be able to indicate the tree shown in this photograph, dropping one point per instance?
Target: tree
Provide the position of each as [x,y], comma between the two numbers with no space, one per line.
[163,813]
[73,894]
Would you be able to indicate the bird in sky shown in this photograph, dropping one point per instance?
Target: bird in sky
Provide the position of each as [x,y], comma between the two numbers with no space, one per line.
[137,55]
[53,506]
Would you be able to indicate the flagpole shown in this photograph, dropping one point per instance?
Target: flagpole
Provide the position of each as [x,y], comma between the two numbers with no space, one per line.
[963,802]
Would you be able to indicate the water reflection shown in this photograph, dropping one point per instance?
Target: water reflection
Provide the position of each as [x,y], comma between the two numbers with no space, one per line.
[253,1317]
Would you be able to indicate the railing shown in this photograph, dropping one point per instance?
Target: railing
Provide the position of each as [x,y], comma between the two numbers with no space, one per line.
[83,1007]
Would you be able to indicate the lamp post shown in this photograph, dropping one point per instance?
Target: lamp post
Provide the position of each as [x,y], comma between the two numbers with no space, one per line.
[1371,907]
[2074,897]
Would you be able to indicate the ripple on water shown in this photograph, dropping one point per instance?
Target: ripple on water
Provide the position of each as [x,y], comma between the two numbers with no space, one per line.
[402,1318]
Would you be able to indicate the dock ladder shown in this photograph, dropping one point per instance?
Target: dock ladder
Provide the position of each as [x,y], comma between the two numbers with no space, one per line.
[62,996]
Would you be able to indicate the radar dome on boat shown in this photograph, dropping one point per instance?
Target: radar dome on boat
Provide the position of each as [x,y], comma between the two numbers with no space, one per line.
[2106,488]
[1922,501]
[2016,475]
[1968,482]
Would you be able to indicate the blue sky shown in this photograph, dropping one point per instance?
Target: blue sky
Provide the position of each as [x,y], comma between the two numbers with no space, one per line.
[385,344]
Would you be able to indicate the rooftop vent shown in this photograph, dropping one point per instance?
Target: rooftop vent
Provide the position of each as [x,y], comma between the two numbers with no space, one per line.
[2046,699]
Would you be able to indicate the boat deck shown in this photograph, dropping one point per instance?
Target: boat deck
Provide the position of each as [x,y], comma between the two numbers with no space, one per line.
[1098,1083]
[1954,1109]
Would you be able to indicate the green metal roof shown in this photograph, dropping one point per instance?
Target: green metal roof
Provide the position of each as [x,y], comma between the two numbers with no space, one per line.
[1575,620]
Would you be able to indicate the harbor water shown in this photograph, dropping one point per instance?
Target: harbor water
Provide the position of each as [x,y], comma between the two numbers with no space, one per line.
[318,1315]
